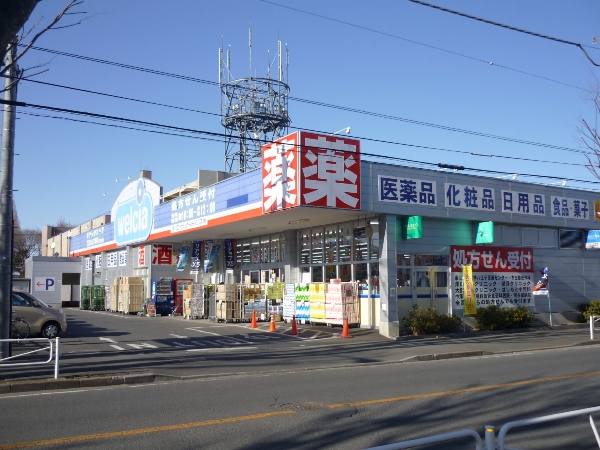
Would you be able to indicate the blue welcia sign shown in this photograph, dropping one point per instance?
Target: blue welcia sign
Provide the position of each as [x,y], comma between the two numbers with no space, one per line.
[133,218]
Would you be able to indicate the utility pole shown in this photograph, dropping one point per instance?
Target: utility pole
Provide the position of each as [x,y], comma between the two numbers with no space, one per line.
[6,200]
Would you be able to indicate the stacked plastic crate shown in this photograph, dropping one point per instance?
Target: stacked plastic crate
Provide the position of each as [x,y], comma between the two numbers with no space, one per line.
[98,295]
[131,295]
[86,293]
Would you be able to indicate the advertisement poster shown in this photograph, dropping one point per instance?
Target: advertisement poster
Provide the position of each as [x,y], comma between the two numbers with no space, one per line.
[501,276]
[208,246]
[183,257]
[214,252]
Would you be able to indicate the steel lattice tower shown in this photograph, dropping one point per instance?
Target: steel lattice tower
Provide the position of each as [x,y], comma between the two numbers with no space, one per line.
[254,111]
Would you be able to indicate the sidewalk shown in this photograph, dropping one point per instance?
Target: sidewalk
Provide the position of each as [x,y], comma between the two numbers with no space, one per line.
[379,350]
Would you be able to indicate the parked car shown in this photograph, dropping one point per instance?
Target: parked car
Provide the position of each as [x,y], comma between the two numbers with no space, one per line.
[42,318]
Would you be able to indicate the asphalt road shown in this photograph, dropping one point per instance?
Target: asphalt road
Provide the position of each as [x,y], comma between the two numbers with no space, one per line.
[351,408]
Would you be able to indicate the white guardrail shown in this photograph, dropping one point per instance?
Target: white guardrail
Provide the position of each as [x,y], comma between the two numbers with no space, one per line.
[490,432]
[593,320]
[53,348]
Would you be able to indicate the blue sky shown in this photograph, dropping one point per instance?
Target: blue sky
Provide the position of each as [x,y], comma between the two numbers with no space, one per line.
[413,64]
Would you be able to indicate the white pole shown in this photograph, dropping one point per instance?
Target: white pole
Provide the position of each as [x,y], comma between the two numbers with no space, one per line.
[592,327]
[56,358]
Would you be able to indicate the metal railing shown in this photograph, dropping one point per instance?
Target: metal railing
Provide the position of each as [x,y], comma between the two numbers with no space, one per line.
[593,319]
[552,417]
[490,435]
[53,347]
[432,440]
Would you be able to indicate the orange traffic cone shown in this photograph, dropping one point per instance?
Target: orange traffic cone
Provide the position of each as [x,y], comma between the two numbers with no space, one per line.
[346,330]
[253,323]
[294,326]
[272,326]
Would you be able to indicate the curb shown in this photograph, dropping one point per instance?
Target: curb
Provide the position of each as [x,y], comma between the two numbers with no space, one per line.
[12,387]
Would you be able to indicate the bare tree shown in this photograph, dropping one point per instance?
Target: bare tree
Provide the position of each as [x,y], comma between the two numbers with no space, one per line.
[591,137]
[13,16]
[28,242]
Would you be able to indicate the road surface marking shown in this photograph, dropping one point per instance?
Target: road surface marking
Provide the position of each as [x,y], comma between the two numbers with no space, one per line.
[108,340]
[117,347]
[178,336]
[114,434]
[465,391]
[142,345]
[239,349]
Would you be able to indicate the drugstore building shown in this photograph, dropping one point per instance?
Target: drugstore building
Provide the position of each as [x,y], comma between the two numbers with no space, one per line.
[317,211]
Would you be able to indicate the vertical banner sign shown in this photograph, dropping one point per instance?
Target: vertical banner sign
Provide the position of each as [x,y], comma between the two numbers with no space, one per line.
[183,257]
[229,254]
[212,259]
[469,291]
[208,246]
[141,256]
[196,255]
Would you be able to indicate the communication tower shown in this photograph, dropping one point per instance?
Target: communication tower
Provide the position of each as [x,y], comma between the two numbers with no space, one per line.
[254,111]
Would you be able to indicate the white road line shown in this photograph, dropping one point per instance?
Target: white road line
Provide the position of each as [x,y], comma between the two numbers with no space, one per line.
[205,332]
[178,336]
[142,345]
[179,344]
[239,349]
[117,347]
[108,340]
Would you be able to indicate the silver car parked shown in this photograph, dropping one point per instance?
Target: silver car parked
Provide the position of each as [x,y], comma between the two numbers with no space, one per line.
[42,318]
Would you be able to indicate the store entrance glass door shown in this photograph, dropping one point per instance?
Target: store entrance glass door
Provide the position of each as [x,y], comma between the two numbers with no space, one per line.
[430,288]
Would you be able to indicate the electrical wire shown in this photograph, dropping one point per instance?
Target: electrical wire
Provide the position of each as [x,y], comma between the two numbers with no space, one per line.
[422,44]
[328,105]
[213,134]
[509,27]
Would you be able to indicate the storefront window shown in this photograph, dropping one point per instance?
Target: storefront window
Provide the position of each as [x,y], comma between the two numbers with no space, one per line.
[331,244]
[360,273]
[255,249]
[402,260]
[403,277]
[238,251]
[282,249]
[374,278]
[441,279]
[265,250]
[345,243]
[374,249]
[246,252]
[431,260]
[275,248]
[360,244]
[330,273]
[317,274]
[305,274]
[346,272]
[317,246]
[305,248]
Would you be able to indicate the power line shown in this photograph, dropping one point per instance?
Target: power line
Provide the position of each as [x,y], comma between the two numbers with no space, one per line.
[363,138]
[328,105]
[509,27]
[422,44]
[213,134]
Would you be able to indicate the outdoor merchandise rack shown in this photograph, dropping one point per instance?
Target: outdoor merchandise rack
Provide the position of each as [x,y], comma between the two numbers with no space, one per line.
[322,303]
[86,295]
[130,294]
[97,298]
[195,305]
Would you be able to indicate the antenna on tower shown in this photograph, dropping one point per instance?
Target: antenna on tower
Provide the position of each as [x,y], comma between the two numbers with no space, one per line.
[254,111]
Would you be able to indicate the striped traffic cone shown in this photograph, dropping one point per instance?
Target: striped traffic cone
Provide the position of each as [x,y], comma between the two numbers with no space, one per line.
[272,326]
[294,326]
[346,329]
